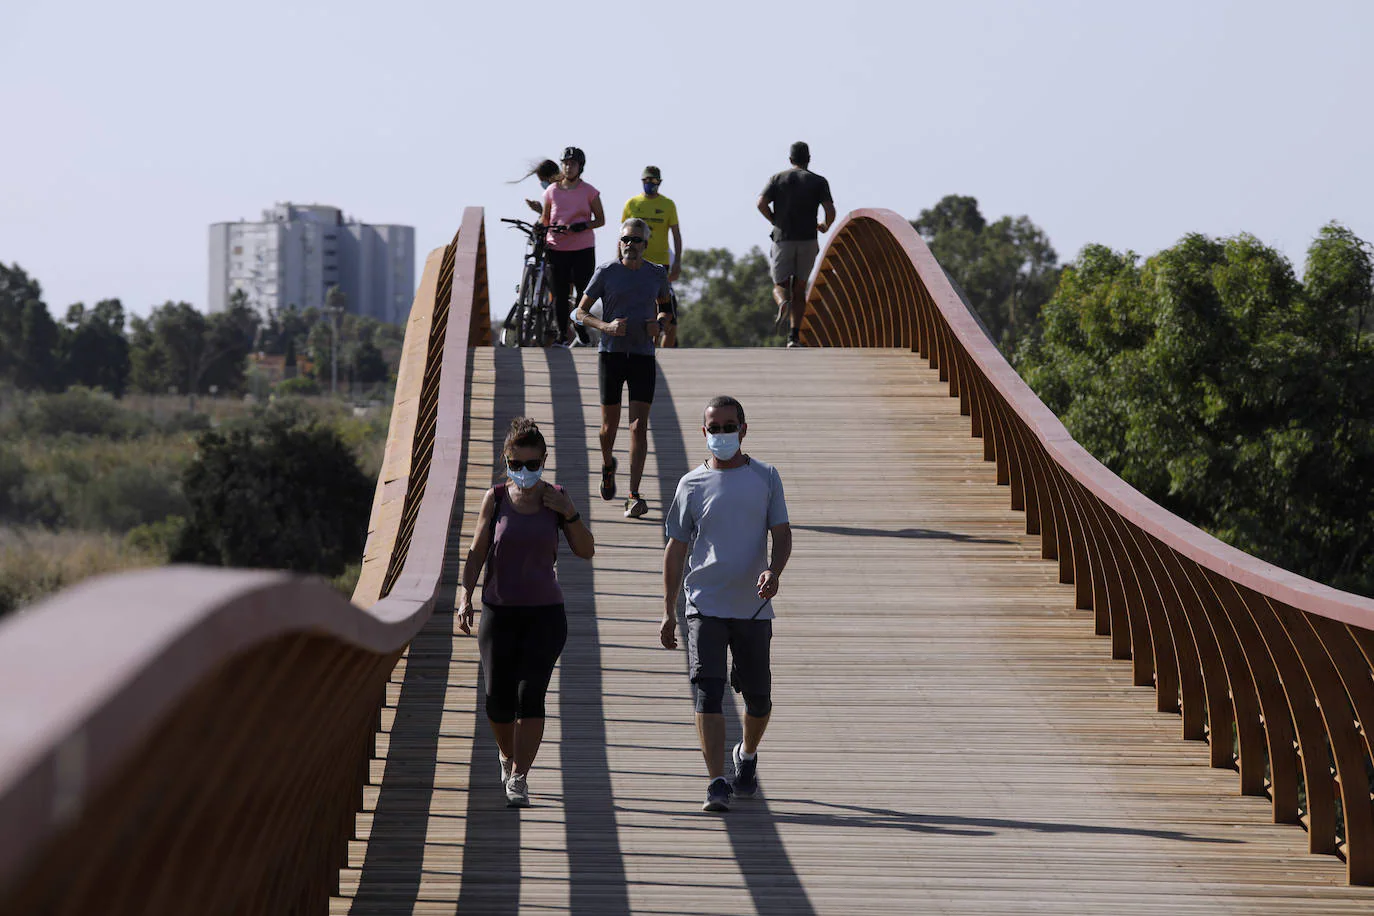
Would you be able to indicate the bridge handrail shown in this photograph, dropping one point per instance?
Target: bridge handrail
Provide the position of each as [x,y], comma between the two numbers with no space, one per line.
[1226,639]
[204,734]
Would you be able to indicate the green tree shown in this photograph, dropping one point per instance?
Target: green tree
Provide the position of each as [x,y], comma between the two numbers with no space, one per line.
[178,347]
[361,358]
[95,348]
[282,331]
[726,301]
[29,338]
[365,363]
[1223,388]
[275,495]
[1007,269]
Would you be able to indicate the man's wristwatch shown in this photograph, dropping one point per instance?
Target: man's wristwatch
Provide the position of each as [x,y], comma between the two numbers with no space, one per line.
[572,518]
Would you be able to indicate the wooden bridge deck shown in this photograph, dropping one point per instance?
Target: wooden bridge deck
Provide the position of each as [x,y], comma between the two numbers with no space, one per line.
[949,736]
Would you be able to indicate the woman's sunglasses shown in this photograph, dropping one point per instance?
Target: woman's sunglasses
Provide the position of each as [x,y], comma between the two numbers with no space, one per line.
[531,465]
[716,429]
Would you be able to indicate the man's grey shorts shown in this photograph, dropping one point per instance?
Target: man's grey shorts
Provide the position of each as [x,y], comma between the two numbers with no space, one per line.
[793,259]
[748,642]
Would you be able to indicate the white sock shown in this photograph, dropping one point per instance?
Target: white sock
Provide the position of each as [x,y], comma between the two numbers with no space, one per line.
[744,756]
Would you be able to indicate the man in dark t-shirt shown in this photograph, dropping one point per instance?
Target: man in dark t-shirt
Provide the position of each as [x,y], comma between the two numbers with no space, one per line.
[789,202]
[634,311]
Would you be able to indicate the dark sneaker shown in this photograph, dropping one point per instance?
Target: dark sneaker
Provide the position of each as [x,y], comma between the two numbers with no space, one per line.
[517,792]
[635,506]
[608,479]
[795,344]
[746,772]
[717,795]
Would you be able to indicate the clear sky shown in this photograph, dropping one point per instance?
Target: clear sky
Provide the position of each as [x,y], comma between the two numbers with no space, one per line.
[132,126]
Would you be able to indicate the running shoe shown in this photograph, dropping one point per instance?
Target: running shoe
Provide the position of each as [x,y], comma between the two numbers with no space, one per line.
[795,344]
[784,315]
[517,792]
[507,766]
[635,506]
[717,795]
[608,479]
[746,772]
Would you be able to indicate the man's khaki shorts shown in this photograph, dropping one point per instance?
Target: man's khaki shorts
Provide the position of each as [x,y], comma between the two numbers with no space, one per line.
[793,259]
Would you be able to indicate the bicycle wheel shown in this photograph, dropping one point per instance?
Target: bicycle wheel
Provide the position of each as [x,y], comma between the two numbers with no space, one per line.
[531,327]
[510,328]
[515,331]
[556,321]
[546,327]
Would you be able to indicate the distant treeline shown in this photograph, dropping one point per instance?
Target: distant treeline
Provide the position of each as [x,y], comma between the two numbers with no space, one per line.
[176,348]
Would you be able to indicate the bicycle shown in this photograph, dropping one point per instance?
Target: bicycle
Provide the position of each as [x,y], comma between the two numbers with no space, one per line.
[533,321]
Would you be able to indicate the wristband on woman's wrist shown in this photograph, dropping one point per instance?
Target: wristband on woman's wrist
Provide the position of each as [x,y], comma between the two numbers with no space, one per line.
[576,516]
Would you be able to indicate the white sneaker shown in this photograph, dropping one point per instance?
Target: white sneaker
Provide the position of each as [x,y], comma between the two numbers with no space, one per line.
[507,767]
[517,792]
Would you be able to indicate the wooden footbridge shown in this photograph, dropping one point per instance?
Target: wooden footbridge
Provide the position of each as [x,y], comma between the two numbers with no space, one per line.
[1004,681]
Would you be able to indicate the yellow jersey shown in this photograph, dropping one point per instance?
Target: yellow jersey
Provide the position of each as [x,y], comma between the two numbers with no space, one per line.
[661,214]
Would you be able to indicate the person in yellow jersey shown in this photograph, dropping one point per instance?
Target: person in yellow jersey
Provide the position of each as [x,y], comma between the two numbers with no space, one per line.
[661,215]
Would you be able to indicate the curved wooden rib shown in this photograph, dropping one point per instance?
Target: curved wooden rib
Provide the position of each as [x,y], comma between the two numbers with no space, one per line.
[197,739]
[1225,639]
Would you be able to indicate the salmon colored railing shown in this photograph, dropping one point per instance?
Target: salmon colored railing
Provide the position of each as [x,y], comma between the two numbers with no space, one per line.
[191,740]
[1273,670]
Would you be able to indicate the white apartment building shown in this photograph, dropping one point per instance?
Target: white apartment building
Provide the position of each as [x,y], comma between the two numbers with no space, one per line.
[296,253]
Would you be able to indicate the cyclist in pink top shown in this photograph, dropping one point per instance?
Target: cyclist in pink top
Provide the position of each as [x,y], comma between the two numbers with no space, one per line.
[575,204]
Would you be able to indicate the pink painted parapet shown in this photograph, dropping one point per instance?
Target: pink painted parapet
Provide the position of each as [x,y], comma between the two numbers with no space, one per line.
[193,740]
[1233,644]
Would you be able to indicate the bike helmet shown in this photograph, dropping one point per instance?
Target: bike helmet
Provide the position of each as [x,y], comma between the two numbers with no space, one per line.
[576,155]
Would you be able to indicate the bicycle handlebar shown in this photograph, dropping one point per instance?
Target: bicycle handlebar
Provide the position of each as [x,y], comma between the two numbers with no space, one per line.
[533,227]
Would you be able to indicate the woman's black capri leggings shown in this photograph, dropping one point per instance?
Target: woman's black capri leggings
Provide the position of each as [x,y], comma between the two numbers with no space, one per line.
[519,646]
[570,269]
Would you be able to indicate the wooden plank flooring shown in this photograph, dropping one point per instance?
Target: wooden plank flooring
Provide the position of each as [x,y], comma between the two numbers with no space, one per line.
[948,735]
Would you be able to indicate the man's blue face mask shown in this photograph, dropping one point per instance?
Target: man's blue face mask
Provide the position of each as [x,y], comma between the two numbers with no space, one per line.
[651,188]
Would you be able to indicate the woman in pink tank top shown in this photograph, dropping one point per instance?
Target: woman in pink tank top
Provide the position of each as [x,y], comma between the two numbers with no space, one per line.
[523,625]
[575,205]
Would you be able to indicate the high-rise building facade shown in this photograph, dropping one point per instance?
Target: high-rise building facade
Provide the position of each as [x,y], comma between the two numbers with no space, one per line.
[296,253]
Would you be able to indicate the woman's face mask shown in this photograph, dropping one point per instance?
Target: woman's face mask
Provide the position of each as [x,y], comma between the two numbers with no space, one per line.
[524,478]
[544,183]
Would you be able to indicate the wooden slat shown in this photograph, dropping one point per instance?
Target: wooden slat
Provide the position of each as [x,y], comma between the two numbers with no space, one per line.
[948,736]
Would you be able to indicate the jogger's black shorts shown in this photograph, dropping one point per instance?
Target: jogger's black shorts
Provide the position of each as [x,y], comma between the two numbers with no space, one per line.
[615,370]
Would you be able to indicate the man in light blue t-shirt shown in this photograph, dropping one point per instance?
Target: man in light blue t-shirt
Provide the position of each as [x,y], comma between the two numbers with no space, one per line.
[718,528]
